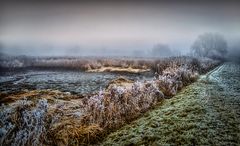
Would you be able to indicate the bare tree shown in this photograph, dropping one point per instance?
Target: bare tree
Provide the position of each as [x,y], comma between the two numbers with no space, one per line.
[210,45]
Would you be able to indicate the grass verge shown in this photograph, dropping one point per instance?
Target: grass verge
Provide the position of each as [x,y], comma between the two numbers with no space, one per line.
[195,116]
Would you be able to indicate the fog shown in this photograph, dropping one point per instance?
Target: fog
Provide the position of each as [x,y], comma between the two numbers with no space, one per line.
[112,28]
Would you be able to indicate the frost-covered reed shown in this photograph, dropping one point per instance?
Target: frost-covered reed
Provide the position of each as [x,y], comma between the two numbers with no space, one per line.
[23,123]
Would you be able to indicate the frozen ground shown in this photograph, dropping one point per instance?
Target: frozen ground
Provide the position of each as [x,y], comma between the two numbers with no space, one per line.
[205,113]
[65,81]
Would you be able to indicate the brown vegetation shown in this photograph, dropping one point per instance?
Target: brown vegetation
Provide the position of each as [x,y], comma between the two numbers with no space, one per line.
[67,120]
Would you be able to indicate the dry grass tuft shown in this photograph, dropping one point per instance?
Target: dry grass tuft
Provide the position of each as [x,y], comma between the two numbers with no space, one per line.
[50,95]
[73,133]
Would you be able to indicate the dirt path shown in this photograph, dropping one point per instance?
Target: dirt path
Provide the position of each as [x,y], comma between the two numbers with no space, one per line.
[204,113]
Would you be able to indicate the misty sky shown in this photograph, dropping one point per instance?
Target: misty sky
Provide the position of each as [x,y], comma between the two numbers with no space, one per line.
[50,26]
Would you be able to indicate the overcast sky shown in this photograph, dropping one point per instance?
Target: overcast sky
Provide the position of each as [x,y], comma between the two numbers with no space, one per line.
[114,25]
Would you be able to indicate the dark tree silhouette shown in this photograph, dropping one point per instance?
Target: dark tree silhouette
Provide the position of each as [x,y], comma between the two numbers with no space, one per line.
[210,45]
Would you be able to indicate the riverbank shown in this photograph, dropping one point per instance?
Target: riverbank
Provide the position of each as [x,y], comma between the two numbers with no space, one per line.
[49,119]
[204,113]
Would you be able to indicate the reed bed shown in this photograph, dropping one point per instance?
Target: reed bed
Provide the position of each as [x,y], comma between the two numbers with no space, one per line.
[55,121]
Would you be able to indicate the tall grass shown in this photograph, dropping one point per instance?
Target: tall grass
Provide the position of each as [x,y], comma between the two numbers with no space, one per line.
[201,65]
[110,109]
[33,123]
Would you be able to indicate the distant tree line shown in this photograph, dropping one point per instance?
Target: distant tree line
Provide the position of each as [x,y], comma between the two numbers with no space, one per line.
[210,45]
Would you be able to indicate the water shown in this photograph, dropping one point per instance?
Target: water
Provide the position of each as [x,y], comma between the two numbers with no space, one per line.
[75,82]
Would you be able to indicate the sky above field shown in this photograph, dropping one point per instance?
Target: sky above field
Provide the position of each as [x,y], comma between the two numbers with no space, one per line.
[49,28]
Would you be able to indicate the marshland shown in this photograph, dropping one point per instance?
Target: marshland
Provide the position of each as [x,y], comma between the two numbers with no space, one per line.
[119,73]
